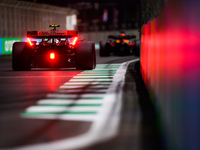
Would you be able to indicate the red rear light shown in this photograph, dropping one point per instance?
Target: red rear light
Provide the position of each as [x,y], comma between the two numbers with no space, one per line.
[112,44]
[52,56]
[131,44]
[75,39]
[29,41]
[122,34]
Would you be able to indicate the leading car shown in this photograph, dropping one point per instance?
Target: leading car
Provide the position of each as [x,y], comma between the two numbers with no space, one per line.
[118,44]
[53,49]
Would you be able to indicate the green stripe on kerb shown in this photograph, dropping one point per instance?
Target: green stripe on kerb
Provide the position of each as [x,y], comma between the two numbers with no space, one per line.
[89,81]
[70,105]
[108,65]
[85,85]
[26,114]
[96,75]
[78,93]
[78,77]
[100,73]
[103,67]
[76,98]
[88,88]
[113,70]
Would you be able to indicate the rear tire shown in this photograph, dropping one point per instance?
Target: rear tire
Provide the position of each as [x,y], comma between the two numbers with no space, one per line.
[104,49]
[21,57]
[85,55]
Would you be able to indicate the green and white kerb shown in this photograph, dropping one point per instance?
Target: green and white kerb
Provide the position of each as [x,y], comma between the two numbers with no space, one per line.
[82,98]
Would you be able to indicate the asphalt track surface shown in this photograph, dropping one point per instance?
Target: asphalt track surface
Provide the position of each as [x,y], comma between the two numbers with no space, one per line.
[28,98]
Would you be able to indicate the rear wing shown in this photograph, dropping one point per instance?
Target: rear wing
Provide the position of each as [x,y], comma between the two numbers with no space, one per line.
[52,34]
[119,37]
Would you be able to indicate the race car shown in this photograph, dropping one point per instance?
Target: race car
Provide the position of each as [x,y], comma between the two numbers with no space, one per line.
[53,49]
[118,44]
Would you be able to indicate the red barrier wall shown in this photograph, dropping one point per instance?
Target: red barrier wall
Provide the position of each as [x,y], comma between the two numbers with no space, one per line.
[170,66]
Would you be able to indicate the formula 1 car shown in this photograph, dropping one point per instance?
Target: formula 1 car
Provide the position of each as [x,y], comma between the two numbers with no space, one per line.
[53,49]
[119,45]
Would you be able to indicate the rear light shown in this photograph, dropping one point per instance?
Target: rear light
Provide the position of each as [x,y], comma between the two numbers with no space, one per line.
[117,41]
[122,34]
[75,39]
[112,44]
[52,56]
[125,40]
[131,44]
[29,41]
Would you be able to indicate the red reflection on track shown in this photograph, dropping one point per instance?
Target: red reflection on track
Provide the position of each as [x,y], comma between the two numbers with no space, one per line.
[54,79]
[43,82]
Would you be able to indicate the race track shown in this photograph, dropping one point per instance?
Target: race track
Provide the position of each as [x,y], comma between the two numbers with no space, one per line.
[64,109]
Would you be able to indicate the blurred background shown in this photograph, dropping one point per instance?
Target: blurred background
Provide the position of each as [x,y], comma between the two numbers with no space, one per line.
[94,20]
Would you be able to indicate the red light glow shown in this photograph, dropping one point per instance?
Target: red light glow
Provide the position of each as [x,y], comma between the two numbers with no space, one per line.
[122,34]
[29,41]
[132,44]
[52,56]
[125,40]
[75,39]
[112,44]
[117,41]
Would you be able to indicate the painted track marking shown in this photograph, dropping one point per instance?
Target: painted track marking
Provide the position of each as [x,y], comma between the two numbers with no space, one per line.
[104,117]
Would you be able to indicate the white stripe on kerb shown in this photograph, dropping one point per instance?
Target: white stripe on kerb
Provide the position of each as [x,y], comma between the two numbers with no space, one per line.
[81,86]
[114,64]
[87,83]
[61,108]
[85,117]
[79,76]
[91,80]
[81,90]
[46,101]
[98,73]
[109,69]
[74,96]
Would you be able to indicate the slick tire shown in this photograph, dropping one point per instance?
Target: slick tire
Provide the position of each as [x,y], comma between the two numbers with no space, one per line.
[85,55]
[104,49]
[21,56]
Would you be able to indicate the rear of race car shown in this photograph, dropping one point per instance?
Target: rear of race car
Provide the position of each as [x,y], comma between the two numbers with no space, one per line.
[54,53]
[119,45]
[53,49]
